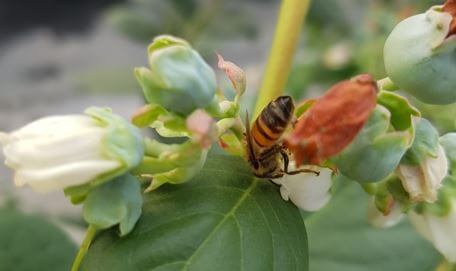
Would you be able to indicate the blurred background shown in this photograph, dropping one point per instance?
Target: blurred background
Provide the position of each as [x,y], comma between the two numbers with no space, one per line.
[62,56]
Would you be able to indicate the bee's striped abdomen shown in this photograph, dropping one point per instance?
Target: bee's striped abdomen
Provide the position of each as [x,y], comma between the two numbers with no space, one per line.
[272,122]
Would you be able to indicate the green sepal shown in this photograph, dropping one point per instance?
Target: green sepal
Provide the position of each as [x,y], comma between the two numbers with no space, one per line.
[382,198]
[163,41]
[123,142]
[303,107]
[425,143]
[399,194]
[167,124]
[376,151]
[117,202]
[400,108]
[171,163]
[231,144]
[387,84]
[444,204]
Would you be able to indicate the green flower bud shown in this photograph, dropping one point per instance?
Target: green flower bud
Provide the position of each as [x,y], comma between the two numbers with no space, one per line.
[178,79]
[376,151]
[73,152]
[420,58]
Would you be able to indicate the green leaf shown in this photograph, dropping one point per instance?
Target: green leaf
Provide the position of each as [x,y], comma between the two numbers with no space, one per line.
[32,243]
[116,202]
[166,124]
[223,219]
[340,239]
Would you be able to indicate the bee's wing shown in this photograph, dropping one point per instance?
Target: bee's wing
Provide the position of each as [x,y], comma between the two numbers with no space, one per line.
[248,139]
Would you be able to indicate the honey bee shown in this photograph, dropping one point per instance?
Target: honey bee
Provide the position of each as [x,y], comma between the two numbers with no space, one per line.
[266,154]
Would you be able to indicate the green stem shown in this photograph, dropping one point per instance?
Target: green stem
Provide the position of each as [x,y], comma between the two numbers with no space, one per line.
[289,25]
[90,234]
[152,165]
[446,266]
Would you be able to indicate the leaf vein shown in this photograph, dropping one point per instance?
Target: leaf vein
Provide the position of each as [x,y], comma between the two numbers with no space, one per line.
[224,219]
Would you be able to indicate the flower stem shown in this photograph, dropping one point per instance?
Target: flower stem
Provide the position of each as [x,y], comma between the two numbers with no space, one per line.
[446,266]
[289,25]
[90,234]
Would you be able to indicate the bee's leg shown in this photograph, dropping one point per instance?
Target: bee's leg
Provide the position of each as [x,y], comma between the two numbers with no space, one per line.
[294,172]
[286,161]
[275,175]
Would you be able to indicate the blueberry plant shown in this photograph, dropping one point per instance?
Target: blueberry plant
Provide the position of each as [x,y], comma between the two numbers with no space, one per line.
[195,204]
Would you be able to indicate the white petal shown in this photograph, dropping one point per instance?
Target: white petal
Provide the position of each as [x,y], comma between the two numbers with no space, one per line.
[306,190]
[59,177]
[379,220]
[440,231]
[4,139]
[435,170]
[412,180]
[56,152]
[422,182]
[63,148]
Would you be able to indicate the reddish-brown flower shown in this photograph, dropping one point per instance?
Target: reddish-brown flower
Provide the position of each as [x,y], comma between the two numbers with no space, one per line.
[450,7]
[333,121]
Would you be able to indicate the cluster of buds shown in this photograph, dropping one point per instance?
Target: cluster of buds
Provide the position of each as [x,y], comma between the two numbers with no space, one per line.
[368,133]
[99,158]
[419,59]
[185,102]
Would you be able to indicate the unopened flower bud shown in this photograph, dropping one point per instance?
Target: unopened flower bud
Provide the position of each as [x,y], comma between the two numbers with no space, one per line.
[58,152]
[202,128]
[376,151]
[423,181]
[419,56]
[178,79]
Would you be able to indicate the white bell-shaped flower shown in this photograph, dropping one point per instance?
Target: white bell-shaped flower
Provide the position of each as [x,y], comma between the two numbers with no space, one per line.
[57,152]
[307,191]
[439,230]
[383,221]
